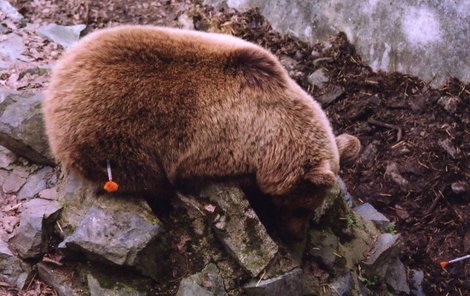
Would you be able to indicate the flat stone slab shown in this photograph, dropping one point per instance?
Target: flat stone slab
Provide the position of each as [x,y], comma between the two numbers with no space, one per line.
[109,228]
[113,236]
[368,212]
[238,228]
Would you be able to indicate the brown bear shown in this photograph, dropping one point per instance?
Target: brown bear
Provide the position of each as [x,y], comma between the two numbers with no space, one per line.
[167,106]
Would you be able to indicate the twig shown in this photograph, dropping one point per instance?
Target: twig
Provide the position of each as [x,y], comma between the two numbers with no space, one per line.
[434,203]
[387,125]
[60,227]
[50,260]
[189,202]
[31,281]
[4,284]
[261,278]
[16,206]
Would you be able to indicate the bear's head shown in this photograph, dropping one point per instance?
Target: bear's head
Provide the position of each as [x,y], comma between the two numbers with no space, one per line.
[298,206]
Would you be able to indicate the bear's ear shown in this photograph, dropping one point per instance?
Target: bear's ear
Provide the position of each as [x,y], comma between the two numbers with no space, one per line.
[348,147]
[322,176]
[259,68]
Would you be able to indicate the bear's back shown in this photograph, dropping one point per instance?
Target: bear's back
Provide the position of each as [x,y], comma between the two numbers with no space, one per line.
[138,92]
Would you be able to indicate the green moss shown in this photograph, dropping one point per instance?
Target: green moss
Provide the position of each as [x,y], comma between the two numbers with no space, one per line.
[390,228]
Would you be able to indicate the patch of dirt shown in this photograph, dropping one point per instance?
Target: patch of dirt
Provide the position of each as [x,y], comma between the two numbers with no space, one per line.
[101,14]
[416,139]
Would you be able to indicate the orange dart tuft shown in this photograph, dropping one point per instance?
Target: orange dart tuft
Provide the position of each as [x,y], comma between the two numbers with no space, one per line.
[443,264]
[111,186]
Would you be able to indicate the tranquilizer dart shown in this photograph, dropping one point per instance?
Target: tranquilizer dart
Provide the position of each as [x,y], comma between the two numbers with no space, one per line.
[444,263]
[110,186]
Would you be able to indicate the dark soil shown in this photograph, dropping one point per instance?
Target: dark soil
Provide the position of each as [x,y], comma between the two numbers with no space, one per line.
[415,163]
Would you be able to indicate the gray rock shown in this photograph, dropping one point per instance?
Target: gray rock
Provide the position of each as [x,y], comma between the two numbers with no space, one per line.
[6,158]
[59,280]
[36,221]
[334,194]
[341,286]
[115,232]
[186,22]
[188,287]
[239,229]
[417,282]
[386,249]
[448,147]
[426,39]
[396,277]
[22,126]
[348,199]
[450,104]
[368,212]
[330,94]
[461,189]
[217,4]
[49,194]
[290,284]
[78,198]
[63,35]
[35,184]
[15,180]
[385,242]
[315,53]
[367,158]
[11,50]
[10,11]
[118,288]
[12,269]
[318,78]
[326,246]
[288,63]
[40,71]
[355,251]
[207,282]
[392,173]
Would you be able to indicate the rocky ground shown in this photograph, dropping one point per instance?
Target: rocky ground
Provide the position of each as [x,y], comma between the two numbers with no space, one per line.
[414,166]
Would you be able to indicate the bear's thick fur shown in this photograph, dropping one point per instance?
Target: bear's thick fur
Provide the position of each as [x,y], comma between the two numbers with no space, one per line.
[166,106]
